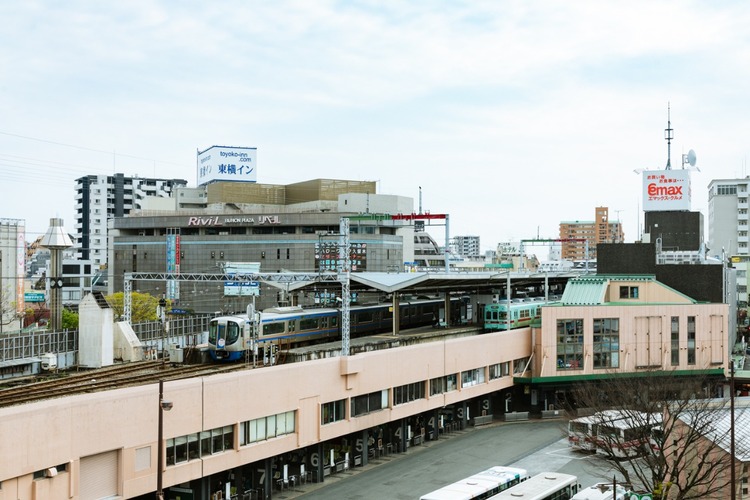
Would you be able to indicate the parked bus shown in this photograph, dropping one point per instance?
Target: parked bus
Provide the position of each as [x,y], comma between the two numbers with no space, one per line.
[481,485]
[627,437]
[582,430]
[544,486]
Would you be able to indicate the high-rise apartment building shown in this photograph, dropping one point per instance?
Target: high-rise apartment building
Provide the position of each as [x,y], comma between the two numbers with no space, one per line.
[727,216]
[727,228]
[578,235]
[103,197]
[467,246]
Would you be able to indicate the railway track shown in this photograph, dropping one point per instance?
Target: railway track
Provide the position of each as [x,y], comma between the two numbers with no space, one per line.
[114,377]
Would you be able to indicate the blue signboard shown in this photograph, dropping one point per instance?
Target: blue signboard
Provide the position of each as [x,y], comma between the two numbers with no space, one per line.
[34,297]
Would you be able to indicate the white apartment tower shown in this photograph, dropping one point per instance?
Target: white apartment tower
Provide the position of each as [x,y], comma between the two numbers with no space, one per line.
[467,246]
[100,198]
[727,227]
[727,216]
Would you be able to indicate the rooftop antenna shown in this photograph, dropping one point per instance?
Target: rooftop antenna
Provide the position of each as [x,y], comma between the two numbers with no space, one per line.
[420,199]
[669,135]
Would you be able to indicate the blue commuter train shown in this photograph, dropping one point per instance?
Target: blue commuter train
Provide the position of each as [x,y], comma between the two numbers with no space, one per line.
[229,337]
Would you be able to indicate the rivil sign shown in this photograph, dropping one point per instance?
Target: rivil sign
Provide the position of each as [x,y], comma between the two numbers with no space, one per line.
[666,190]
[226,221]
[222,163]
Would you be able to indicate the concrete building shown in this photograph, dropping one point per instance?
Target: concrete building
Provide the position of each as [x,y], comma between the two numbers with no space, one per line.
[728,227]
[578,236]
[467,246]
[12,272]
[100,198]
[274,228]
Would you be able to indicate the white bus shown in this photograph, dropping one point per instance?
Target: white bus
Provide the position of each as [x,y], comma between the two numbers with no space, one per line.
[481,485]
[630,436]
[582,431]
[544,486]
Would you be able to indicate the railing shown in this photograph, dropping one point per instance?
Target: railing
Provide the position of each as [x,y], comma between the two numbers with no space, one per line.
[189,328]
[19,345]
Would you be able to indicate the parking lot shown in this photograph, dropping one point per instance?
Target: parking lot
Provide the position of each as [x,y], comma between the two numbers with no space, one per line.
[535,445]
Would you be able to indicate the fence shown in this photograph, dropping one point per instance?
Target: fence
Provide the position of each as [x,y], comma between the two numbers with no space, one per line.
[20,345]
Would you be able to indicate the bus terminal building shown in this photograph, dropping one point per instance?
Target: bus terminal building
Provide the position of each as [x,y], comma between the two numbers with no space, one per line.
[307,419]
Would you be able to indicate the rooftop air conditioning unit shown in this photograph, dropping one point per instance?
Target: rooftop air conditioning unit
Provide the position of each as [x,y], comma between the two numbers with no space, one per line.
[51,472]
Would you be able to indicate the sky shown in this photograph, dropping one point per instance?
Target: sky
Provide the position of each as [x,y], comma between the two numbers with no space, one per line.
[509,116]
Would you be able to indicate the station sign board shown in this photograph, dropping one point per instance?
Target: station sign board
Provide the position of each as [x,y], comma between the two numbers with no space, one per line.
[34,297]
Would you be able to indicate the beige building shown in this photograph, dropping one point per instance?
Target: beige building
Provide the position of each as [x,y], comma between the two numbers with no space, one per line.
[253,427]
[582,236]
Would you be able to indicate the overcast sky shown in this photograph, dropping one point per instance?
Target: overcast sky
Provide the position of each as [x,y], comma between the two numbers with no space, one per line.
[510,115]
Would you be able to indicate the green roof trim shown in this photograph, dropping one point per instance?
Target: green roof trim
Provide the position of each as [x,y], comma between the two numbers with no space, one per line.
[601,376]
[591,290]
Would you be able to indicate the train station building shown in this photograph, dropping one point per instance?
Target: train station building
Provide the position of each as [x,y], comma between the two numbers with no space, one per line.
[254,432]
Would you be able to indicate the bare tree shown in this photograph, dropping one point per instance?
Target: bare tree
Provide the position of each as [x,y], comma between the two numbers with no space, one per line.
[661,432]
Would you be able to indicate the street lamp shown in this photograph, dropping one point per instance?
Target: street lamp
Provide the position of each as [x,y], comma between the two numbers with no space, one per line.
[163,406]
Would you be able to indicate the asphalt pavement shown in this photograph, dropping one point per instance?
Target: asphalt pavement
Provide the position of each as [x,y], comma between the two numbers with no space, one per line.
[535,445]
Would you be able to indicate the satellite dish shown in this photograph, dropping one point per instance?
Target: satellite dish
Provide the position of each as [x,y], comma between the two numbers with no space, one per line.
[691,158]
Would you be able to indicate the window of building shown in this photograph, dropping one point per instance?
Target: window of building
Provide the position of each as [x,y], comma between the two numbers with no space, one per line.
[569,344]
[691,340]
[675,346]
[444,384]
[628,292]
[200,444]
[606,343]
[472,377]
[499,370]
[271,426]
[520,365]
[368,403]
[333,411]
[408,393]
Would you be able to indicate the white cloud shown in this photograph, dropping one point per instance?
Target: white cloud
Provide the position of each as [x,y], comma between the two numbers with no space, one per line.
[511,115]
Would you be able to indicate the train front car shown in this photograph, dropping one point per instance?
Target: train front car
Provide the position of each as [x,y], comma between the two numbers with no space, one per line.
[224,337]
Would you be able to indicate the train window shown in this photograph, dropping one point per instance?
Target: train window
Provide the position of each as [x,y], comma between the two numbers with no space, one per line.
[334,321]
[214,329]
[233,332]
[365,317]
[273,328]
[308,324]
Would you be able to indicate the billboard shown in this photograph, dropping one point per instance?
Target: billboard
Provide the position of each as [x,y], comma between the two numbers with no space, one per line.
[227,163]
[666,190]
[244,287]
